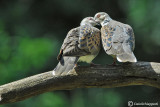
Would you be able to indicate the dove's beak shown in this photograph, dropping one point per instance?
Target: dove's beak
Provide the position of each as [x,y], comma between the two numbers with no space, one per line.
[97,21]
[98,24]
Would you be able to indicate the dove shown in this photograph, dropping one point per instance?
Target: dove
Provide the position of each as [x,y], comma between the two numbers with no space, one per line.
[117,38]
[82,44]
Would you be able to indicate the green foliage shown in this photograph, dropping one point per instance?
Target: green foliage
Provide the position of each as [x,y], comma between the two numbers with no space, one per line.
[143,13]
[24,55]
[113,99]
[44,100]
[32,31]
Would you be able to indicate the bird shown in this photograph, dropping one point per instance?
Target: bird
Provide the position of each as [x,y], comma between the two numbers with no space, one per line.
[117,38]
[82,44]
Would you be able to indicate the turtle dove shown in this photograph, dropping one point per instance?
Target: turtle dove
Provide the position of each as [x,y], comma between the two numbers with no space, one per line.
[117,38]
[81,44]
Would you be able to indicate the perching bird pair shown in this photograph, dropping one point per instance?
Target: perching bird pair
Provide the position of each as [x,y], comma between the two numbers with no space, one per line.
[83,43]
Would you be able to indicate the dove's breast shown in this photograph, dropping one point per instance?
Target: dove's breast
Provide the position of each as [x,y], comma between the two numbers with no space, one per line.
[87,58]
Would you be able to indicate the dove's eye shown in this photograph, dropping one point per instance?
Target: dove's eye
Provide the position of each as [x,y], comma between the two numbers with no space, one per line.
[90,18]
[98,15]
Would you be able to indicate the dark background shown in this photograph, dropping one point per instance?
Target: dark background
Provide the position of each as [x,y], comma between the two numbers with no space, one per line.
[32,31]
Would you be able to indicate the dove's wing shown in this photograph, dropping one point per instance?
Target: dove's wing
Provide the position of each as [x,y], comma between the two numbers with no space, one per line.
[130,33]
[89,39]
[81,44]
[81,41]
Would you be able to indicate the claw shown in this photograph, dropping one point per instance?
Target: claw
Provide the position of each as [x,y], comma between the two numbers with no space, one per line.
[114,62]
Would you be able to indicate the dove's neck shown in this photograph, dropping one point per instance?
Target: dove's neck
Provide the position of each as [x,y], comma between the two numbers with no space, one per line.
[106,21]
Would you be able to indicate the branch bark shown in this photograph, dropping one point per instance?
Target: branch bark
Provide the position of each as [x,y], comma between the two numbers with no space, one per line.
[140,73]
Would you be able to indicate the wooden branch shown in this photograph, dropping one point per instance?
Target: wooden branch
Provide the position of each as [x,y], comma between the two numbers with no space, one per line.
[141,73]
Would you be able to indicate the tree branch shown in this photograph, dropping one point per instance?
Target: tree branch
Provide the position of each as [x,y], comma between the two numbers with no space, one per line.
[141,73]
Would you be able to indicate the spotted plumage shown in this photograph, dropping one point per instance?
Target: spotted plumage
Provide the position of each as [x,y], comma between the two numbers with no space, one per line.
[81,44]
[117,38]
[107,37]
[89,39]
[80,41]
[114,36]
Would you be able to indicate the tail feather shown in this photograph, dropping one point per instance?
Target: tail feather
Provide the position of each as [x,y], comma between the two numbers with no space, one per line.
[126,57]
[65,65]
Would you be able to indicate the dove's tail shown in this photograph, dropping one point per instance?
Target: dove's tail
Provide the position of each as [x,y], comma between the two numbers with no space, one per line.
[65,65]
[126,57]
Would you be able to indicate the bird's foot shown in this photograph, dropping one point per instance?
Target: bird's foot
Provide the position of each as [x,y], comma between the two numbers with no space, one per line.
[113,64]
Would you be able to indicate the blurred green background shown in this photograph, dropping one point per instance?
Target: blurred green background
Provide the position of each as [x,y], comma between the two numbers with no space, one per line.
[32,31]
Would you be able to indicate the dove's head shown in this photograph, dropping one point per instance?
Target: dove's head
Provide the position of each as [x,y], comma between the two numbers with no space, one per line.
[102,17]
[89,21]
